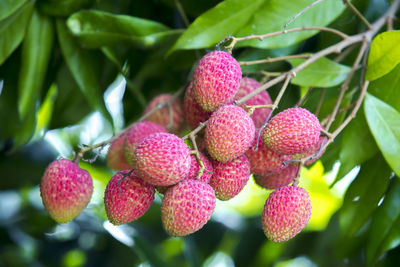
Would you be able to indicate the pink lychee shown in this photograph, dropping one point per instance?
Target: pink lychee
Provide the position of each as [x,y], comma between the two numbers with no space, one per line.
[216,80]
[286,212]
[229,178]
[195,166]
[116,156]
[127,198]
[292,131]
[186,207]
[65,189]
[162,159]
[194,113]
[276,180]
[229,133]
[316,151]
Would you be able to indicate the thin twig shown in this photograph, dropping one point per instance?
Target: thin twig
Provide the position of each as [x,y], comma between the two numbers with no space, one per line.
[320,100]
[301,101]
[182,12]
[270,60]
[358,13]
[301,12]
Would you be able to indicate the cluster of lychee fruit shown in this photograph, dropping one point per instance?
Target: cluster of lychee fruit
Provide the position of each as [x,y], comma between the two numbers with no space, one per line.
[150,156]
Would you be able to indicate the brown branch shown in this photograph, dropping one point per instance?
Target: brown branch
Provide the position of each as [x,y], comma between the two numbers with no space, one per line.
[306,95]
[270,60]
[358,13]
[320,100]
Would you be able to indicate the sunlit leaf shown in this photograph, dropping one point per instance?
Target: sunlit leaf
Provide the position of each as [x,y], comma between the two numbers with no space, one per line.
[384,54]
[384,123]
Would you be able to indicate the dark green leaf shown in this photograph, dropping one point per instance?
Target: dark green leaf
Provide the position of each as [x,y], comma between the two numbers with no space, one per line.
[7,7]
[387,87]
[95,29]
[363,195]
[357,146]
[274,14]
[214,25]
[36,51]
[12,30]
[384,123]
[385,226]
[384,54]
[82,65]
[62,7]
[321,73]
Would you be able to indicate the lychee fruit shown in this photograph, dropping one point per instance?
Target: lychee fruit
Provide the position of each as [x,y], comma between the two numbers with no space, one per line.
[195,167]
[292,131]
[286,212]
[186,207]
[247,85]
[229,133]
[276,180]
[171,117]
[194,113]
[162,159]
[314,151]
[116,156]
[65,189]
[127,198]
[265,161]
[136,133]
[216,80]
[229,178]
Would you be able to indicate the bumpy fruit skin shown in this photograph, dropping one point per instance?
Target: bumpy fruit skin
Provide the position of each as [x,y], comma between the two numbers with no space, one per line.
[116,156]
[229,133]
[265,161]
[195,166]
[286,212]
[65,189]
[162,116]
[313,151]
[277,180]
[292,131]
[186,207]
[162,159]
[137,197]
[136,133]
[216,80]
[259,116]
[230,177]
[194,113]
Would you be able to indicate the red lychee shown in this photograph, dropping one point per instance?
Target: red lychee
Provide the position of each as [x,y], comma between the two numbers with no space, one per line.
[286,212]
[248,85]
[216,80]
[194,113]
[162,159]
[116,156]
[127,198]
[316,151]
[170,117]
[292,131]
[195,166]
[230,177]
[276,180]
[186,207]
[65,189]
[229,133]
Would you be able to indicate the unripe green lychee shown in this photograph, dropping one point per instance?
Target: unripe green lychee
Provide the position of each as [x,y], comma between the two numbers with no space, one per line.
[229,178]
[194,113]
[216,80]
[265,161]
[116,156]
[286,212]
[171,118]
[276,180]
[65,189]
[127,198]
[314,151]
[292,131]
[136,133]
[162,159]
[229,133]
[248,85]
[186,207]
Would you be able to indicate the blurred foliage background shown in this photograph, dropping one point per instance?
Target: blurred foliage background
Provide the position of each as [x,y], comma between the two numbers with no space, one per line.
[77,71]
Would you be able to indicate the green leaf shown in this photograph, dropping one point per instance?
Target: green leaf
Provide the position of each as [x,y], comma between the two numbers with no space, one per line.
[321,73]
[82,65]
[36,50]
[385,226]
[357,145]
[12,30]
[384,54]
[363,195]
[214,25]
[62,7]
[384,123]
[274,14]
[7,7]
[95,29]
[387,87]
[45,111]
